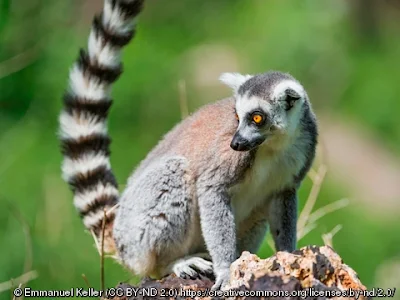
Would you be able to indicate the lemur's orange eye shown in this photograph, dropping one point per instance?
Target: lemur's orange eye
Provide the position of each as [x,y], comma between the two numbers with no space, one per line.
[257,119]
[236,116]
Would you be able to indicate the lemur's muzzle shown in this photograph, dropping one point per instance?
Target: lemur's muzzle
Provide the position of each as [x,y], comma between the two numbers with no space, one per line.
[239,143]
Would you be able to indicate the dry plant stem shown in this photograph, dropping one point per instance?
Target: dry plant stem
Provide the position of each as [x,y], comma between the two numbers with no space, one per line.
[318,214]
[329,208]
[312,198]
[19,286]
[112,209]
[328,237]
[270,243]
[103,227]
[183,99]
[312,174]
[28,240]
[23,279]
[321,151]
[306,230]
[86,280]
[96,242]
[98,247]
[19,61]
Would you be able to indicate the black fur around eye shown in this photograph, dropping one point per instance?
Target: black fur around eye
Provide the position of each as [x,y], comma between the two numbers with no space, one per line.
[257,118]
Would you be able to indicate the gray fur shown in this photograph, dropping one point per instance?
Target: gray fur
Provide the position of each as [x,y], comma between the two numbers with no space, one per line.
[282,216]
[261,85]
[308,122]
[216,212]
[252,230]
[160,216]
[194,194]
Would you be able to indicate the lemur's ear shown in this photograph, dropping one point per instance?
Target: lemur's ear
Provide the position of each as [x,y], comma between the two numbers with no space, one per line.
[291,97]
[288,90]
[292,94]
[234,80]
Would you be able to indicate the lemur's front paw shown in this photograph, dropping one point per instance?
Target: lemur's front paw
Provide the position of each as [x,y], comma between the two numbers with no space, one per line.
[222,280]
[192,267]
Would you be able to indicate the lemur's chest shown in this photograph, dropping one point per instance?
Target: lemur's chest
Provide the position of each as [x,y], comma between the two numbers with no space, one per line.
[270,173]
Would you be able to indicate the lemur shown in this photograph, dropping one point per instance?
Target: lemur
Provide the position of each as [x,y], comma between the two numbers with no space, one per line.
[210,187]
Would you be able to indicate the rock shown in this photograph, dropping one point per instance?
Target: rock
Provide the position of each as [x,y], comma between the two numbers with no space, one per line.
[309,273]
[310,269]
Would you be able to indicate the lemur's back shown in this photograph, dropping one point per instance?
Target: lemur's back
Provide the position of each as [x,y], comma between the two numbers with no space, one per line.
[202,138]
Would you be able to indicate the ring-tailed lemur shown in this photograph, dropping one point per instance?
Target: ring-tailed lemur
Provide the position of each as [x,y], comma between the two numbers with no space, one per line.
[210,186]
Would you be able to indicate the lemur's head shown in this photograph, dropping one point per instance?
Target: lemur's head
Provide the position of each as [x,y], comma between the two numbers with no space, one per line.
[267,105]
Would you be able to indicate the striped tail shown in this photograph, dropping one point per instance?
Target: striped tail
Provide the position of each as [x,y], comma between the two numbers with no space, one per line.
[83,121]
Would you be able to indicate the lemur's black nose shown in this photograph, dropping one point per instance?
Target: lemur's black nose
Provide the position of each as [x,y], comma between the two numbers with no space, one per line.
[234,144]
[239,143]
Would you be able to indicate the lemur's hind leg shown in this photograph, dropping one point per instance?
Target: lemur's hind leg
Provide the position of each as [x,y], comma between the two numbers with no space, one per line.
[155,221]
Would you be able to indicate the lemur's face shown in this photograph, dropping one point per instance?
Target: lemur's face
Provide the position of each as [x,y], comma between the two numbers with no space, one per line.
[267,106]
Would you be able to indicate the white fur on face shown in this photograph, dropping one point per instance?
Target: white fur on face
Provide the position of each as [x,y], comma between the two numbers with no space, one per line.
[286,121]
[245,105]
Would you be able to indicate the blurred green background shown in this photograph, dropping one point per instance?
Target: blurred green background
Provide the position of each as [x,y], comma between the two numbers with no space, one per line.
[346,53]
